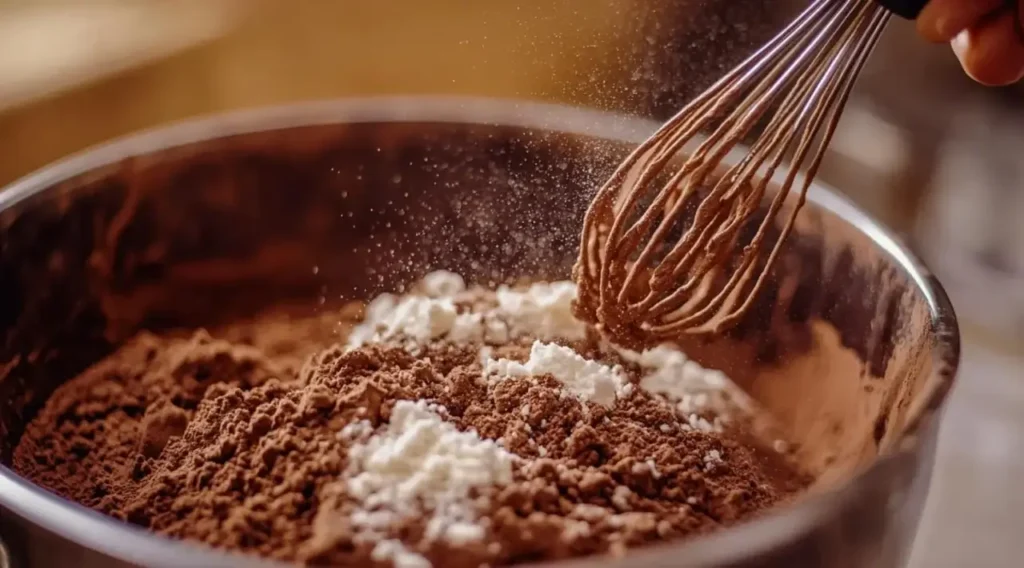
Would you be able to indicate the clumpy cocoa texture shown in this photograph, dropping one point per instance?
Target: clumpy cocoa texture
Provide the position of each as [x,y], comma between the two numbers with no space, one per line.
[236,438]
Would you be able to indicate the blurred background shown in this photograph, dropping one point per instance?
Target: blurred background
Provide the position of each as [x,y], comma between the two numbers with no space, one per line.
[934,156]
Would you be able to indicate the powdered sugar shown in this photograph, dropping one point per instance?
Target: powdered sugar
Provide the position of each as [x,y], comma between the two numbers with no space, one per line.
[418,318]
[693,388]
[356,430]
[544,309]
[430,312]
[588,380]
[421,464]
[398,554]
[441,284]
[467,328]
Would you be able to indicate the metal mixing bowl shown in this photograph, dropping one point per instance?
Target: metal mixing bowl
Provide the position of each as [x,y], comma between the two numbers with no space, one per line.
[853,345]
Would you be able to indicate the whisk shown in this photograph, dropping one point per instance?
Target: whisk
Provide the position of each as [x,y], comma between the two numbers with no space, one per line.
[665,247]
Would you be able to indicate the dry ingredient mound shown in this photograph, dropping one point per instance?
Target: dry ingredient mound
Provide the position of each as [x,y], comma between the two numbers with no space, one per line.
[452,427]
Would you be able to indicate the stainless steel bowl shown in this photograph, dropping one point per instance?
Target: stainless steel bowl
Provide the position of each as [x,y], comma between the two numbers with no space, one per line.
[853,345]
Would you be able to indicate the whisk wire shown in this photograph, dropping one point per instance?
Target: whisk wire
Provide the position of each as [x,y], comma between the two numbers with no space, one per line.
[703,108]
[737,123]
[765,96]
[826,104]
[662,250]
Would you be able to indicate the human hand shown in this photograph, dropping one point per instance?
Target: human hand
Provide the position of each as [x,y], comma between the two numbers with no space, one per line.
[985,34]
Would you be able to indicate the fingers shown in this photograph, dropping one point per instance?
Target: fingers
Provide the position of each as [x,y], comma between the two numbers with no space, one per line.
[991,51]
[943,20]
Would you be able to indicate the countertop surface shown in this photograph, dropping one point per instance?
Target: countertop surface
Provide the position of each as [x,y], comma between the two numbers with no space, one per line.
[975,510]
[46,48]
[969,232]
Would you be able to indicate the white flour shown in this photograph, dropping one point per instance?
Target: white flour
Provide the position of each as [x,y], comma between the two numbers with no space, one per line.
[421,465]
[542,310]
[693,388]
[398,554]
[420,461]
[588,380]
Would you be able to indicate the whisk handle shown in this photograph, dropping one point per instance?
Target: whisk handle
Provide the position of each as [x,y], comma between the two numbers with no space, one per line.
[908,9]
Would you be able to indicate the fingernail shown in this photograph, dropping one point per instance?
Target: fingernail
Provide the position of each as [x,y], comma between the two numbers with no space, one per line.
[961,42]
[961,45]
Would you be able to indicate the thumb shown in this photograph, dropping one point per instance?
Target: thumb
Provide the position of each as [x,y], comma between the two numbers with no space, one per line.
[991,52]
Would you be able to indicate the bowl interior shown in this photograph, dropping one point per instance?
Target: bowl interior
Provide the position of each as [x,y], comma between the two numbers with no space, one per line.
[841,346]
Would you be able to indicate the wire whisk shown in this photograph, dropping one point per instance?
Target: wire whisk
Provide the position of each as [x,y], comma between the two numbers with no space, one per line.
[666,247]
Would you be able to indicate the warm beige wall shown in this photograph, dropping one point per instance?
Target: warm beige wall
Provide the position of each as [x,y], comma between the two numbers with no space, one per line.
[283,51]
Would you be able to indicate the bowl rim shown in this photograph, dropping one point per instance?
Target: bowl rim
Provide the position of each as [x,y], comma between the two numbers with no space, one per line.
[788,524]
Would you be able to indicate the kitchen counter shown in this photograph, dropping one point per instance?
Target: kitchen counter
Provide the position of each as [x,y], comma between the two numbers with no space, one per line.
[975,509]
[47,48]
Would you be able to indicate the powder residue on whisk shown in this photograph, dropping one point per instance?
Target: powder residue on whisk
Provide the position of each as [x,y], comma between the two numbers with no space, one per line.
[680,240]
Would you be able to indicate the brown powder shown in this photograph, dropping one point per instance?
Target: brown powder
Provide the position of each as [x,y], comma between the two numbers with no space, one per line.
[229,443]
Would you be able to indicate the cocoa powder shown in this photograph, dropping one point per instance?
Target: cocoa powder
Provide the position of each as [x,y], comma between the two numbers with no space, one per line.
[230,442]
